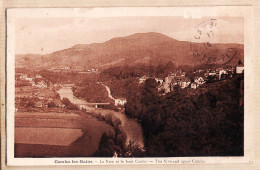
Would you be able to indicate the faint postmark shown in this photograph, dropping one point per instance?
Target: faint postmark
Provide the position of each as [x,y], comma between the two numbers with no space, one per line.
[205,49]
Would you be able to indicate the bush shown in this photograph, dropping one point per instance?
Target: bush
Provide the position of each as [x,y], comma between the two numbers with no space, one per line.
[51,104]
[69,105]
[106,146]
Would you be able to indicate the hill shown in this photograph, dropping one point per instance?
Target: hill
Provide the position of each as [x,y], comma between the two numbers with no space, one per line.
[147,48]
[207,121]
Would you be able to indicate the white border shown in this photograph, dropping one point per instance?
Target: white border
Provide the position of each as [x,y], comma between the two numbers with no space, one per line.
[188,12]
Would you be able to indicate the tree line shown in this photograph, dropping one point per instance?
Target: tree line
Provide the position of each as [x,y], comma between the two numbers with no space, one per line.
[180,124]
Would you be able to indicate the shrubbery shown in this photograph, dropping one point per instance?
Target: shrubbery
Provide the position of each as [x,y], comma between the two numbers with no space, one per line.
[69,105]
[117,141]
[91,92]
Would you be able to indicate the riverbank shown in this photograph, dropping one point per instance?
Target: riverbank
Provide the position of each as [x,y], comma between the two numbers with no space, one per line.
[131,127]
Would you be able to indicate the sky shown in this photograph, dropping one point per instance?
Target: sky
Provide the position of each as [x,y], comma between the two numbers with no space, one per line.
[47,35]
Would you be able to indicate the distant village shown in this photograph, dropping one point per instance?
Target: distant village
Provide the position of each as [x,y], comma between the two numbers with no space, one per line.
[35,81]
[36,87]
[77,69]
[179,79]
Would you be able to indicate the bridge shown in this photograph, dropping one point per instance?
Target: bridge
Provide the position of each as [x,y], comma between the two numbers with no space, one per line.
[91,104]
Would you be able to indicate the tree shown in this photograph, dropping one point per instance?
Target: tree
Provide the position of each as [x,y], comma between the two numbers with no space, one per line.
[66,101]
[106,146]
[69,105]
[240,62]
[51,104]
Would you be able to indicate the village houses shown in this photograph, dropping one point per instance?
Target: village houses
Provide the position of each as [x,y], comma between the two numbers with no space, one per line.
[199,80]
[239,68]
[220,72]
[179,78]
[143,79]
[38,76]
[36,81]
[25,77]
[185,82]
[170,82]
[194,85]
[120,101]
[159,80]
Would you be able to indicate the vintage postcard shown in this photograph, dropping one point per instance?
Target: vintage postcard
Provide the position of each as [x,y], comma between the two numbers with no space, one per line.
[139,85]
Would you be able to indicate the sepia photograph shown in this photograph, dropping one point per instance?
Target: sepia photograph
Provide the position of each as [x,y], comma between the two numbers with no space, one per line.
[127,86]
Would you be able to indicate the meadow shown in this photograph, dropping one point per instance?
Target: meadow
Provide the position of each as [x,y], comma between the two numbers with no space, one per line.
[57,134]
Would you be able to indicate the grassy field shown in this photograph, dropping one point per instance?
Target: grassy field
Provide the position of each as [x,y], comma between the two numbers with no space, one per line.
[57,134]
[45,123]
[28,91]
[46,93]
[23,92]
[49,115]
[46,136]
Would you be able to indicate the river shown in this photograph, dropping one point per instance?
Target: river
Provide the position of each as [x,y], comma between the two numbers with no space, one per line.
[131,127]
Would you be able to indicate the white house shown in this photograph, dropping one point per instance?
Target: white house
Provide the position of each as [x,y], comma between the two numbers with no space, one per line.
[40,84]
[194,85]
[38,76]
[143,79]
[185,83]
[212,73]
[199,80]
[168,79]
[222,72]
[25,77]
[120,101]
[159,80]
[206,74]
[166,85]
[239,68]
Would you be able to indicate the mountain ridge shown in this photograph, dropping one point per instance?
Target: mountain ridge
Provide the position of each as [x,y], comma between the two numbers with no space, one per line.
[147,48]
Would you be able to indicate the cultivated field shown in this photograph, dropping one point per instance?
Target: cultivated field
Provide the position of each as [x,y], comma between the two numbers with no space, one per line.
[46,136]
[23,91]
[46,93]
[57,134]
[28,91]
